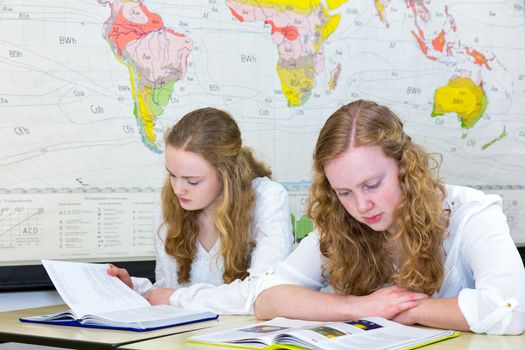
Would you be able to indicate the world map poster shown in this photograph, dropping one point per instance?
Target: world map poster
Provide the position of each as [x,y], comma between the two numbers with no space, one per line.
[89,88]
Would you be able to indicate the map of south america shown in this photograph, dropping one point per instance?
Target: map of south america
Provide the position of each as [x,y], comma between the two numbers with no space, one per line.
[156,58]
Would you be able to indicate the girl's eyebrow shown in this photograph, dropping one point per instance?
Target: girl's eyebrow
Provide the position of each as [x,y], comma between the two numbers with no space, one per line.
[362,183]
[338,189]
[184,177]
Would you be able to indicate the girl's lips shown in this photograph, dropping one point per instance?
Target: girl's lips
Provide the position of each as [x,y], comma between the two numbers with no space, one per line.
[372,219]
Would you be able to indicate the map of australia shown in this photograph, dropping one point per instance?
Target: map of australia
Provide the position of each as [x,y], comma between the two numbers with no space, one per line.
[436,34]
[155,56]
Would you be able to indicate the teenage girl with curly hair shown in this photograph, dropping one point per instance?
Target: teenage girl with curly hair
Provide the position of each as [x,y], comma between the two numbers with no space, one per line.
[391,240]
[222,221]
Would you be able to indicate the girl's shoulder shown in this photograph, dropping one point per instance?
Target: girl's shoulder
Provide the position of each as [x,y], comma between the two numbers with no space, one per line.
[271,200]
[263,186]
[467,207]
[468,200]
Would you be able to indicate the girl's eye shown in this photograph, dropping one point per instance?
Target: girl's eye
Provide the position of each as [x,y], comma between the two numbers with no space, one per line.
[343,193]
[373,186]
[193,183]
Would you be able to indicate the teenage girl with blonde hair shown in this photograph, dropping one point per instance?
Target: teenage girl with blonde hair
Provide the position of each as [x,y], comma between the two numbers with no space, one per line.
[222,222]
[391,240]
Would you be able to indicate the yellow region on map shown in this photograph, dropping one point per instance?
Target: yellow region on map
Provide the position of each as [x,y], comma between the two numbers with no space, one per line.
[463,97]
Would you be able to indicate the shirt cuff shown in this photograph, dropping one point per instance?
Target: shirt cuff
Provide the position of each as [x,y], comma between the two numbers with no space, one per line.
[174,298]
[141,285]
[495,321]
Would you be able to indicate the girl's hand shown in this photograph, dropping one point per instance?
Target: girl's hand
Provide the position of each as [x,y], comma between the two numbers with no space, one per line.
[159,296]
[406,317]
[122,274]
[388,302]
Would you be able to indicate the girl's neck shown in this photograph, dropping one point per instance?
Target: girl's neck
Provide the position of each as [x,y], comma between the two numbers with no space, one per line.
[208,234]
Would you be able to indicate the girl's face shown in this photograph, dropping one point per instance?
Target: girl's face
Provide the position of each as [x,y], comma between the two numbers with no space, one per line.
[193,179]
[366,182]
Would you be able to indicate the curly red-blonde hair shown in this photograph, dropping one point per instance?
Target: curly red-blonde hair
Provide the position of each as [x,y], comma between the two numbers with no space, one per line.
[360,260]
[214,135]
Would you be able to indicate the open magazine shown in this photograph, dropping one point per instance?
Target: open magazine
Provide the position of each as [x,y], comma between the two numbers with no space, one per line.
[368,333]
[98,300]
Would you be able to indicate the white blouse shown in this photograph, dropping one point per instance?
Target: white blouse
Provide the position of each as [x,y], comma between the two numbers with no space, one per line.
[482,267]
[272,231]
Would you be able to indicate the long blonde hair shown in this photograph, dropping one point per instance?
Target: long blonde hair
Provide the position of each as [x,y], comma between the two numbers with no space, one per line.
[360,260]
[214,135]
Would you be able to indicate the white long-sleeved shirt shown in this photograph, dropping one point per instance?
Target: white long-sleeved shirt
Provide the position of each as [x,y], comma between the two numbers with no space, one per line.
[482,266]
[271,229]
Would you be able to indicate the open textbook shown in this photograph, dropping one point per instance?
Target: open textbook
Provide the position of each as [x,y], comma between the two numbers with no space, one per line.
[99,300]
[368,333]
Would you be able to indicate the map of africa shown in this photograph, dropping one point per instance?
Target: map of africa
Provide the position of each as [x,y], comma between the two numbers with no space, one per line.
[88,89]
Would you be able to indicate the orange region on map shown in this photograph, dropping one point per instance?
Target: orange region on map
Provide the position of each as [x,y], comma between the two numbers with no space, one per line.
[289,32]
[439,41]
[123,30]
[421,12]
[236,15]
[423,46]
[463,97]
[479,58]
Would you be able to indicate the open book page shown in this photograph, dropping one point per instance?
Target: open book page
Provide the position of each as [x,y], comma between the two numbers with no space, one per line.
[57,316]
[88,289]
[258,335]
[369,333]
[148,317]
[153,314]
